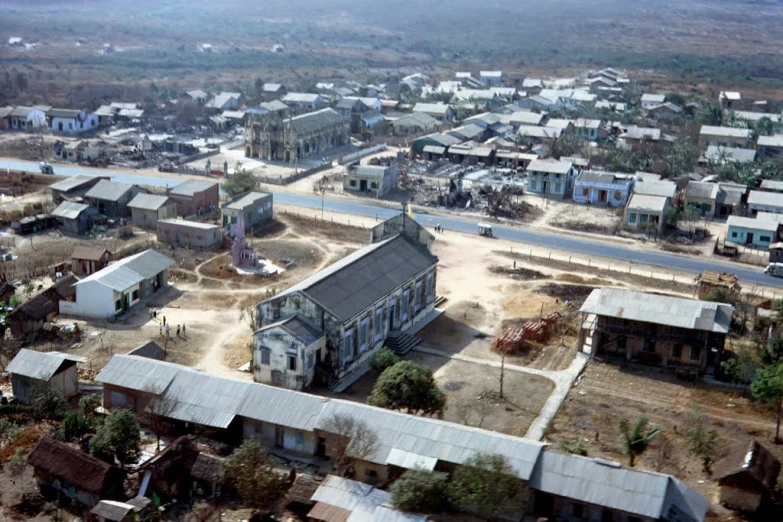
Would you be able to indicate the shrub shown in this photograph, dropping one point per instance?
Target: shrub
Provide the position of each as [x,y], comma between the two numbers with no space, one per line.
[419,491]
[384,358]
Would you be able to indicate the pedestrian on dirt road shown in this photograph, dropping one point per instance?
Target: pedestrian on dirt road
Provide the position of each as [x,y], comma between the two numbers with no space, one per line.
[161,330]
[183,329]
[177,330]
[168,330]
[154,313]
[164,320]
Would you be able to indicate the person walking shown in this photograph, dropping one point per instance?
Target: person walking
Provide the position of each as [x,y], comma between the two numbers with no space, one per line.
[161,329]
[183,329]
[168,331]
[164,320]
[177,330]
[154,313]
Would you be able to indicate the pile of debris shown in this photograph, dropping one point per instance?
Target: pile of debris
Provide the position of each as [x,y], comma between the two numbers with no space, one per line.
[516,340]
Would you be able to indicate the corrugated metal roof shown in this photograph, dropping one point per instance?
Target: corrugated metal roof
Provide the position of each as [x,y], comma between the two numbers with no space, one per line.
[327,513]
[139,373]
[760,224]
[300,97]
[385,513]
[431,108]
[360,499]
[148,201]
[205,399]
[729,154]
[69,210]
[432,438]
[40,365]
[730,132]
[190,187]
[771,141]
[317,120]
[131,271]
[666,189]
[408,460]
[189,224]
[539,132]
[701,190]
[550,166]
[767,199]
[609,178]
[248,198]
[350,285]
[772,184]
[602,483]
[659,309]
[89,253]
[282,407]
[71,183]
[108,190]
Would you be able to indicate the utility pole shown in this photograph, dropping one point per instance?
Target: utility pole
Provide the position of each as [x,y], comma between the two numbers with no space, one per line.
[323,189]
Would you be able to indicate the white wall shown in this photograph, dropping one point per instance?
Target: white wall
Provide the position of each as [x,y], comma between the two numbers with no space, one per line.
[93,299]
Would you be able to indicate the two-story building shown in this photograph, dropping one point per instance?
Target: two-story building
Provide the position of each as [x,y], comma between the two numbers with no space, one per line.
[376,179]
[376,292]
[550,178]
[657,329]
[256,207]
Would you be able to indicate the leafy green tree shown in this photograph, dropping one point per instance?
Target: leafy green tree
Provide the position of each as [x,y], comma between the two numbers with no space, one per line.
[711,113]
[636,440]
[251,470]
[419,491]
[73,426]
[410,387]
[488,486]
[703,442]
[383,359]
[765,126]
[29,287]
[768,388]
[240,181]
[8,430]
[118,439]
[88,404]
[48,401]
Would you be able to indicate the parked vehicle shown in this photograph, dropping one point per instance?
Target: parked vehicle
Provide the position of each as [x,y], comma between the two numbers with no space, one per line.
[45,168]
[774,269]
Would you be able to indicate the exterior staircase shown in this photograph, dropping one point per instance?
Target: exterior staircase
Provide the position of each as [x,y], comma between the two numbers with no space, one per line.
[401,342]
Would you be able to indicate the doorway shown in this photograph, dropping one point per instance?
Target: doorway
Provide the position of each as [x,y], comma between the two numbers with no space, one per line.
[279,435]
[602,196]
[749,238]
[363,185]
[544,187]
[288,156]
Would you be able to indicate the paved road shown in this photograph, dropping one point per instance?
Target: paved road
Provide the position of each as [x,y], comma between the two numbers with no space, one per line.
[577,245]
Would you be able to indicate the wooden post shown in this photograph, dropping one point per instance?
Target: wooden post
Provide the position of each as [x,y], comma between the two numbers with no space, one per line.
[502,370]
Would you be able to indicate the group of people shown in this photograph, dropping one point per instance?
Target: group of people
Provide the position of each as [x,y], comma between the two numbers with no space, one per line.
[167,327]
[438,228]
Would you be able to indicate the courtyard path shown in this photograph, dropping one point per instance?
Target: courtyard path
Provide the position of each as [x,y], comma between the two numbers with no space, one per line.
[563,380]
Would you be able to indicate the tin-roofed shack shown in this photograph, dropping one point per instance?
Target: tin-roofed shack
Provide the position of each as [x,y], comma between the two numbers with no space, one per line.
[747,476]
[30,369]
[710,280]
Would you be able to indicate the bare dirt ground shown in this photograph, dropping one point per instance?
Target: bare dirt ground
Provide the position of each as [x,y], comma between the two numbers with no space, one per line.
[609,392]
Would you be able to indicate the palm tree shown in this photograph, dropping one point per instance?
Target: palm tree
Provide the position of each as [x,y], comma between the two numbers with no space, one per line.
[636,441]
[765,126]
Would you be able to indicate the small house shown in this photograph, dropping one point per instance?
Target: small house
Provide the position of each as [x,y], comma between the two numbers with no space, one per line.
[375,180]
[147,209]
[30,370]
[703,197]
[116,511]
[74,218]
[589,129]
[119,287]
[550,178]
[206,474]
[225,101]
[74,473]
[664,112]
[747,476]
[634,138]
[150,350]
[111,198]
[29,318]
[730,198]
[27,118]
[415,123]
[722,155]
[776,252]
[771,185]
[7,290]
[769,146]
[188,234]
[256,206]
[303,101]
[709,281]
[755,232]
[74,187]
[652,100]
[724,136]
[88,260]
[273,91]
[72,121]
[729,98]
[647,212]
[440,111]
[760,201]
[195,197]
[602,188]
[197,96]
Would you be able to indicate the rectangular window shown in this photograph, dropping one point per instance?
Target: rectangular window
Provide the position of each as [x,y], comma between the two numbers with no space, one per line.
[405,305]
[643,218]
[299,438]
[417,298]
[733,234]
[266,356]
[430,287]
[352,183]
[348,341]
[135,295]
[532,184]
[374,184]
[310,361]
[765,239]
[292,363]
[364,334]
[118,304]
[378,324]
[632,217]
[695,353]
[118,399]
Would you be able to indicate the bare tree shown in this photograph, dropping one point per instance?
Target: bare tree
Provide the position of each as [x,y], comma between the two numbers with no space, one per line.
[248,315]
[158,413]
[348,440]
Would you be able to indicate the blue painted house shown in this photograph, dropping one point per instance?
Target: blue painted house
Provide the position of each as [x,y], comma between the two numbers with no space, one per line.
[753,232]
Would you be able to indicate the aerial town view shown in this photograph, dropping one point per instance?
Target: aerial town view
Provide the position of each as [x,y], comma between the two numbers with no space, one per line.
[313,261]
